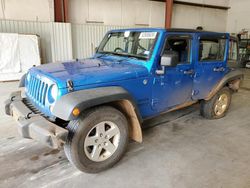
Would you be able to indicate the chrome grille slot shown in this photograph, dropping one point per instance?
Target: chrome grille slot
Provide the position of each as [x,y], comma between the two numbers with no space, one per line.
[41,92]
[36,89]
[44,93]
[32,81]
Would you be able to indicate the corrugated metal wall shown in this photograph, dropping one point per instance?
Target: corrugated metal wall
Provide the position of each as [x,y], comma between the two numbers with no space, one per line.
[56,40]
[61,41]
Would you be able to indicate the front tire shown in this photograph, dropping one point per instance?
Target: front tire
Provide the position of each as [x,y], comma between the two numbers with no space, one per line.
[218,105]
[97,140]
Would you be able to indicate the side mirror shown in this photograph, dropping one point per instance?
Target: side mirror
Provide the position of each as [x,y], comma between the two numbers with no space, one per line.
[168,59]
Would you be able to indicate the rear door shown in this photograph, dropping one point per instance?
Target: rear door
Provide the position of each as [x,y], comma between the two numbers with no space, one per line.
[210,66]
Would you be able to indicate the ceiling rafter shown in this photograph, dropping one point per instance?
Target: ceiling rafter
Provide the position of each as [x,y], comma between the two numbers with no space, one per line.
[197,4]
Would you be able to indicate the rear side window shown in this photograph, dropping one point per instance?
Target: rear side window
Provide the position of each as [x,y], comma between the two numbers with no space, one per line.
[212,49]
[233,51]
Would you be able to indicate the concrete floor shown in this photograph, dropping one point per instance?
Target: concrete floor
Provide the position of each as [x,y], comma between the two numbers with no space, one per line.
[180,150]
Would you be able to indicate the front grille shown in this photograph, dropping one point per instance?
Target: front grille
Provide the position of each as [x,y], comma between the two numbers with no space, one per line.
[37,90]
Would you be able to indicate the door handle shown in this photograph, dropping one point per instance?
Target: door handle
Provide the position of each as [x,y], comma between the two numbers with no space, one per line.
[189,72]
[219,69]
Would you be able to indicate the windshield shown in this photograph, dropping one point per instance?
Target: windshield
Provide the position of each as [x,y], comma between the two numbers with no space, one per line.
[132,44]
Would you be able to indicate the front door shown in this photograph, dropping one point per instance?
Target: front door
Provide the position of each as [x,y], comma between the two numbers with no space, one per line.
[174,86]
[211,63]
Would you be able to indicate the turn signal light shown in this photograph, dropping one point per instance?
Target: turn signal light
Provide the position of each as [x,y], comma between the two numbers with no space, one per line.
[76,112]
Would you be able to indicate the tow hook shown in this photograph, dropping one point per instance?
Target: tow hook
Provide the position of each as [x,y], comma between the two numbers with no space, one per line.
[28,115]
[12,98]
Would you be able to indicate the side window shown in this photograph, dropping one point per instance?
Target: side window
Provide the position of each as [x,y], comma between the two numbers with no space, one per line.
[212,49]
[233,51]
[180,46]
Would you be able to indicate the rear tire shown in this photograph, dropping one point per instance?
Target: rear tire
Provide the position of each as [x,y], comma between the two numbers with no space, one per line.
[97,140]
[217,106]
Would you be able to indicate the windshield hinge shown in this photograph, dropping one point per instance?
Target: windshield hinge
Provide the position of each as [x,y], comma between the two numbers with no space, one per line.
[70,85]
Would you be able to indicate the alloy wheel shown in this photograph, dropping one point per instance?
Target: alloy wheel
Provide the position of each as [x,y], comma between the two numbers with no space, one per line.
[221,104]
[102,141]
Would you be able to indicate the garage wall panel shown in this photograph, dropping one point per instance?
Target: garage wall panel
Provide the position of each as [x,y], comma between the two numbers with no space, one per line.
[117,12]
[191,17]
[27,10]
[61,41]
[238,16]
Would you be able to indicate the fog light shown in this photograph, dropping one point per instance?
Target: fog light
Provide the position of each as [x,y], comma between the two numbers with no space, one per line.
[76,112]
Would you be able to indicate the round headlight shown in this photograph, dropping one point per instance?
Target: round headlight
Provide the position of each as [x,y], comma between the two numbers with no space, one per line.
[53,93]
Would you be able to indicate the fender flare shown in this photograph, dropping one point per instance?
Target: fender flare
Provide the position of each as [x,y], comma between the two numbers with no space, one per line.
[115,96]
[87,98]
[22,81]
[232,79]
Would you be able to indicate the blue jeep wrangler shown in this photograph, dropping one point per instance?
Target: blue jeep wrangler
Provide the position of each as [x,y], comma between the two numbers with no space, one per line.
[91,107]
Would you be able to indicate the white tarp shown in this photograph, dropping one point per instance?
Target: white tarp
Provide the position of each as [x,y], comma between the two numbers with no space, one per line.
[29,51]
[18,53]
[9,54]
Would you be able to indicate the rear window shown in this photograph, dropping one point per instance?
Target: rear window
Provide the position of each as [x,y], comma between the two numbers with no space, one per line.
[212,50]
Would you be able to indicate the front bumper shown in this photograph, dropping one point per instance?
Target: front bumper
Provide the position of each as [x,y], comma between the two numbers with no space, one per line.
[32,125]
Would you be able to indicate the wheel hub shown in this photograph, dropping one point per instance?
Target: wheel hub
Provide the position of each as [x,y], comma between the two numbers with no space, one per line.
[221,104]
[102,141]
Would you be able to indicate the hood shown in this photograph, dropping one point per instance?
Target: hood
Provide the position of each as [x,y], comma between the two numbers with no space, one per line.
[90,71]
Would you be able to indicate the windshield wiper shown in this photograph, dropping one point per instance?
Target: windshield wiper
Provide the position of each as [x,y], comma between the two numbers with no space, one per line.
[122,54]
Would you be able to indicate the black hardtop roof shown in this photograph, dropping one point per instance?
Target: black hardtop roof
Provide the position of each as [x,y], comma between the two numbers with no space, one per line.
[180,30]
